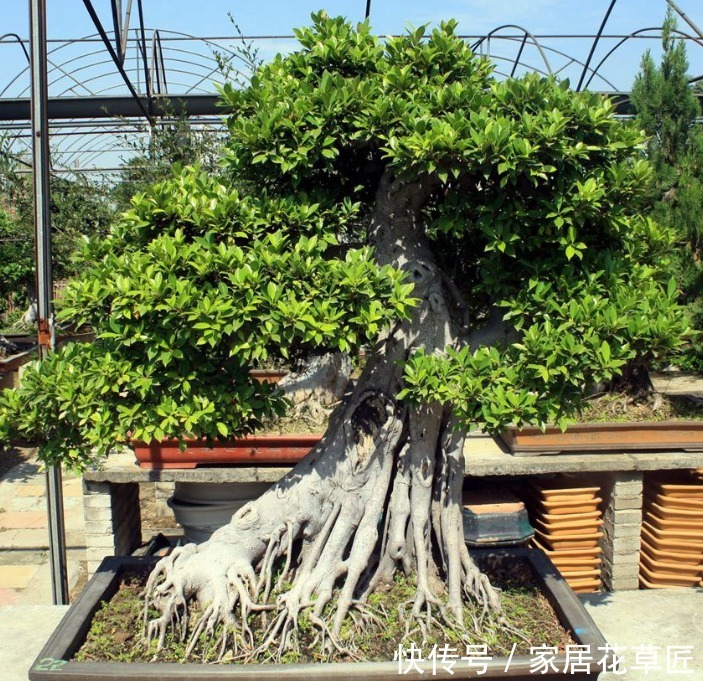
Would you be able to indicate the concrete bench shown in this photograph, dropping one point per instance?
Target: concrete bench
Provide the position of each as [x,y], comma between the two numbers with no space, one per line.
[112,495]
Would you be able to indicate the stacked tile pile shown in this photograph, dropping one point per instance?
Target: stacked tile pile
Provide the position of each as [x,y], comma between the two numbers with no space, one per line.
[567,522]
[672,535]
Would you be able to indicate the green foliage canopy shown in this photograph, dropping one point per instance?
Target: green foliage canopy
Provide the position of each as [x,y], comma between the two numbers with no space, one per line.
[533,210]
[16,258]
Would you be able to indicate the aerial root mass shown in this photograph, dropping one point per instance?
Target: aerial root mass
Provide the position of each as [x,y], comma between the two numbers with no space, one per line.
[382,495]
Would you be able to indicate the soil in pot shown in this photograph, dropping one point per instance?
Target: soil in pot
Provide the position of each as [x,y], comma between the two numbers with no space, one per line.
[617,422]
[115,631]
[654,407]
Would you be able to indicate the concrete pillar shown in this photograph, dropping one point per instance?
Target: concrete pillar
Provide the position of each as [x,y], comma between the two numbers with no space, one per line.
[112,520]
[163,491]
[622,529]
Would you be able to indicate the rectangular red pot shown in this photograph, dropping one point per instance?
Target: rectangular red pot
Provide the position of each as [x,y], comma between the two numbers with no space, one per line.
[618,437]
[253,449]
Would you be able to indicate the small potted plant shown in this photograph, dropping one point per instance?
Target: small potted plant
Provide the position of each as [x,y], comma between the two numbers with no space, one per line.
[628,417]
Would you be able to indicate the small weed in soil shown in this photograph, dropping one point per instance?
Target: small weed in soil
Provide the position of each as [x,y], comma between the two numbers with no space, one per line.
[115,633]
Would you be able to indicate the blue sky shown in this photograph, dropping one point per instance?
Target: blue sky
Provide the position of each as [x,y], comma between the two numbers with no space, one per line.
[69,19]
[87,69]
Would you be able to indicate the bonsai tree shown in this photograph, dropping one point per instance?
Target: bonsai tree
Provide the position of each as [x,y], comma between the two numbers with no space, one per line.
[484,237]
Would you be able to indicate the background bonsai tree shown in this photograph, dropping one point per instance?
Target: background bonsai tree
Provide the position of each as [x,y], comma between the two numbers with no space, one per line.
[484,235]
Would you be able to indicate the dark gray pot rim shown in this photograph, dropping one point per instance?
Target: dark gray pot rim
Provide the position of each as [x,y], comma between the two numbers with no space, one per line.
[54,661]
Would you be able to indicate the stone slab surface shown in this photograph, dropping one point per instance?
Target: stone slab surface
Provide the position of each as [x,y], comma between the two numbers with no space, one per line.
[17,576]
[652,626]
[25,576]
[677,383]
[24,629]
[484,456]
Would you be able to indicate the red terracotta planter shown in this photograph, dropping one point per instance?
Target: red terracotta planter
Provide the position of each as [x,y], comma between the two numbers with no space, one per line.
[253,449]
[615,437]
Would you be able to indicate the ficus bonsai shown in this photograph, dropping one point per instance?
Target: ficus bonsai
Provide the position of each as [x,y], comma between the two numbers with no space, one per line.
[483,236]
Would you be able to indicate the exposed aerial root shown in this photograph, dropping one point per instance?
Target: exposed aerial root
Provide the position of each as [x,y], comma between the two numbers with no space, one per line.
[306,556]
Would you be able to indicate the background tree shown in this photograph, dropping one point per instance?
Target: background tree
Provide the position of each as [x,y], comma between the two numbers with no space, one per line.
[504,267]
[79,207]
[173,142]
[16,261]
[667,109]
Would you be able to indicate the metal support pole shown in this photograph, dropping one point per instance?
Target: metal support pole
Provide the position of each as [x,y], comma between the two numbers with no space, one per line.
[593,46]
[683,15]
[45,316]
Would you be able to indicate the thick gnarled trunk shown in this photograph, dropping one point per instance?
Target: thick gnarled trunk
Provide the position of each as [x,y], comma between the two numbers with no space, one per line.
[380,492]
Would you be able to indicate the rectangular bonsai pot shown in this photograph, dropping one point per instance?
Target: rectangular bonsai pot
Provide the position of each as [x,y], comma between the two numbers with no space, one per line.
[249,450]
[55,663]
[606,437]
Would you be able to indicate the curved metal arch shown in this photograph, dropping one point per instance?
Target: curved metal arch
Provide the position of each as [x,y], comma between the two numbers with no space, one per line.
[191,88]
[132,64]
[54,68]
[196,63]
[168,49]
[91,142]
[70,75]
[74,143]
[551,50]
[534,40]
[90,151]
[91,79]
[181,57]
[17,40]
[573,60]
[499,58]
[634,34]
[183,84]
[595,43]
[73,146]
[203,41]
[204,61]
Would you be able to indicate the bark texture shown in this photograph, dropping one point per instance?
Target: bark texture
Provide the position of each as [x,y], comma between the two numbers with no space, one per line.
[316,388]
[380,492]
